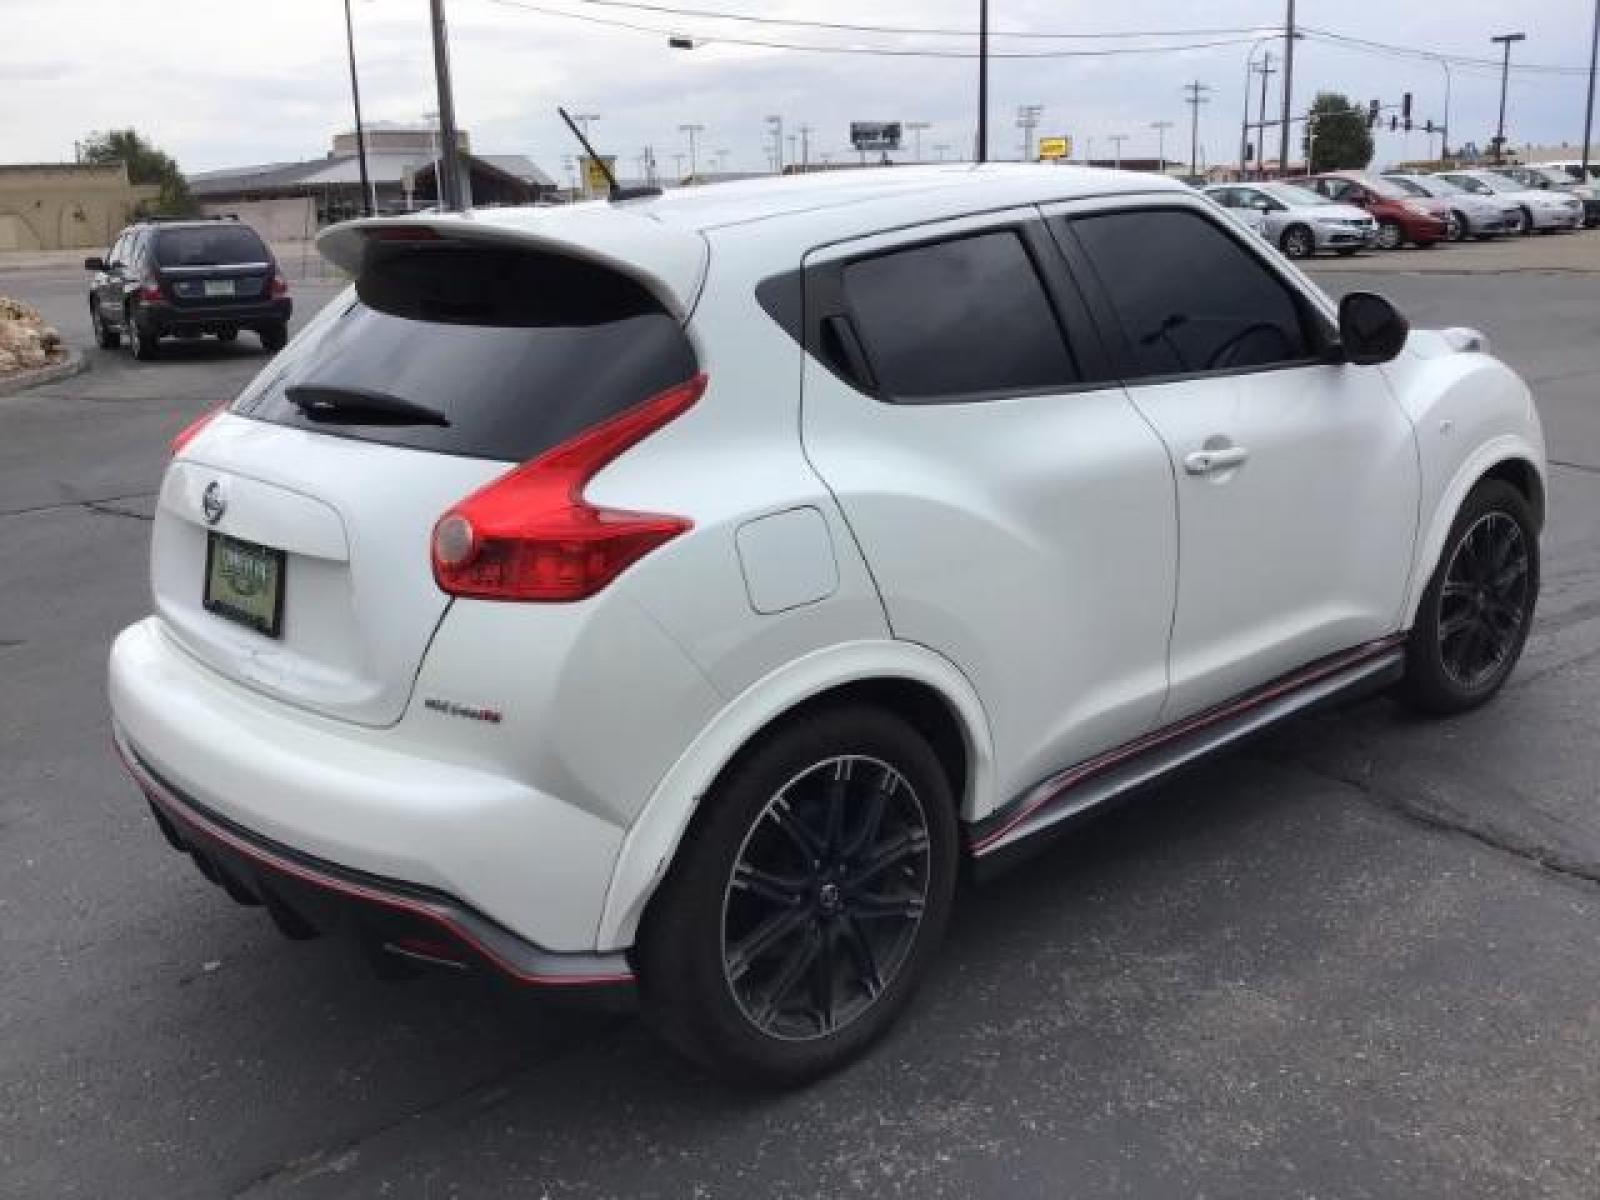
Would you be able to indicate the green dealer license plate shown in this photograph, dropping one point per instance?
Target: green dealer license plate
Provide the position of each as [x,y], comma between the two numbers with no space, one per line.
[244,583]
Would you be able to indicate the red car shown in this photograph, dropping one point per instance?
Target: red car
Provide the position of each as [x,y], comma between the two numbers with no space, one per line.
[1401,217]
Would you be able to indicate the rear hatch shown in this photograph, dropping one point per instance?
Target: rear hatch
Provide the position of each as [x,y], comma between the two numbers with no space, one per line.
[216,265]
[291,547]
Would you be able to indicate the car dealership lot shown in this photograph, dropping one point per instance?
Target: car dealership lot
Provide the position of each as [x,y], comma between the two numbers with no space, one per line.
[1357,958]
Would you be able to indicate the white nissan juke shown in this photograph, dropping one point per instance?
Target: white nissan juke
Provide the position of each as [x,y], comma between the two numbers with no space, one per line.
[674,596]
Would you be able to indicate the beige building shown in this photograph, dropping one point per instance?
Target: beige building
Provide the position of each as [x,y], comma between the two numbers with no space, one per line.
[61,206]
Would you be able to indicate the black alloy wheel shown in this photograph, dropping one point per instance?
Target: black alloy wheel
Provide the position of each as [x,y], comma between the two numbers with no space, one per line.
[824,901]
[1457,227]
[1473,619]
[143,343]
[806,901]
[105,337]
[1390,236]
[1484,601]
[1298,242]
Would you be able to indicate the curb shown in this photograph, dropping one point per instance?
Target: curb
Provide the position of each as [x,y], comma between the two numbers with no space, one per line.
[77,362]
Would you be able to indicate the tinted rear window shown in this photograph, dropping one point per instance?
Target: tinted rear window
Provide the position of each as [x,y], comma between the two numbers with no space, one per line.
[519,352]
[209,245]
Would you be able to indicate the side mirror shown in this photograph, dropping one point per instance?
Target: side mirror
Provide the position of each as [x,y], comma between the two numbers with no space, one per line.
[94,263]
[1371,330]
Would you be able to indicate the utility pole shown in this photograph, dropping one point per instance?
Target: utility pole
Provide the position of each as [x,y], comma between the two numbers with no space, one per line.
[1505,40]
[694,163]
[1267,70]
[1444,130]
[775,126]
[1194,97]
[805,143]
[1028,121]
[1116,140]
[355,96]
[1588,108]
[677,166]
[1161,128]
[793,138]
[453,195]
[1289,36]
[916,128]
[983,81]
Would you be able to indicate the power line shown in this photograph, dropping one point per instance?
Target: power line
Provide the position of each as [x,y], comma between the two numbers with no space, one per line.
[920,31]
[1458,60]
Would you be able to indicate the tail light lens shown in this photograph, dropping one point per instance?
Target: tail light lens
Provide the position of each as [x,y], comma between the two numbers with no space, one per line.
[279,285]
[150,290]
[192,430]
[531,536]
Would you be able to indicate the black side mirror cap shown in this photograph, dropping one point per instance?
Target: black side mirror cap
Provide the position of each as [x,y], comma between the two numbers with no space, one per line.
[1371,330]
[94,263]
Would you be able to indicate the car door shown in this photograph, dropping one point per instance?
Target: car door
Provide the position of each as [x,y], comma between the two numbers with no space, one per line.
[106,285]
[1016,511]
[1297,475]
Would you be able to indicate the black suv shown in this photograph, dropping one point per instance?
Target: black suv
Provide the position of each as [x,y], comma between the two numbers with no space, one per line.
[187,278]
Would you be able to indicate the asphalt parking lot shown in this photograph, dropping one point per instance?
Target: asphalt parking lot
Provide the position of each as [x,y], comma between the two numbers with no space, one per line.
[1360,958]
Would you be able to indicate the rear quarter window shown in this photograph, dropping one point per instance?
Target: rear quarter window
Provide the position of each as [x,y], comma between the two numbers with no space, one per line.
[517,351]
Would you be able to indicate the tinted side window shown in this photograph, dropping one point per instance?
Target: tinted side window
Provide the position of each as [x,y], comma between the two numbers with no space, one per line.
[118,251]
[1188,296]
[958,318]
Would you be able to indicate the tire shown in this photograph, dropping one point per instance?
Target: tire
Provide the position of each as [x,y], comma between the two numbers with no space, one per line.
[1524,225]
[1485,586]
[227,335]
[1389,236]
[274,337]
[146,346]
[1298,242]
[105,337]
[1460,229]
[730,951]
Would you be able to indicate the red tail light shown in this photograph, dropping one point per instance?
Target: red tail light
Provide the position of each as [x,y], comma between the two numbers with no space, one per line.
[530,535]
[150,291]
[192,430]
[279,286]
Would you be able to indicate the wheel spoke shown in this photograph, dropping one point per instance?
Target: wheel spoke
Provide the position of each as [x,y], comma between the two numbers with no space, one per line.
[833,814]
[871,906]
[906,845]
[785,818]
[779,889]
[764,938]
[866,961]
[822,979]
[789,977]
[872,816]
[1453,625]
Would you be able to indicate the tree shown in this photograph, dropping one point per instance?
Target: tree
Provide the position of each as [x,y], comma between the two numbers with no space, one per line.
[1338,134]
[146,164]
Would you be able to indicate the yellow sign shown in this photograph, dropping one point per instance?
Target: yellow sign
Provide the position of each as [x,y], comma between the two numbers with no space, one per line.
[594,174]
[1055,147]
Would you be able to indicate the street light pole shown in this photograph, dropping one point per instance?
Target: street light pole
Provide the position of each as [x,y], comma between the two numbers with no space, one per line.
[1196,96]
[1266,73]
[449,189]
[1161,128]
[1116,140]
[691,130]
[983,81]
[1444,133]
[1289,36]
[775,124]
[355,96]
[1505,40]
[1588,108]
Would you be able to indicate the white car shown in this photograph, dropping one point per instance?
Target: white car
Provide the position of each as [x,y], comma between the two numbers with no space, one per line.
[1298,221]
[1534,210]
[674,594]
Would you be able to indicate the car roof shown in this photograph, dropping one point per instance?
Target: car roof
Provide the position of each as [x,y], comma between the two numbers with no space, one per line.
[662,240]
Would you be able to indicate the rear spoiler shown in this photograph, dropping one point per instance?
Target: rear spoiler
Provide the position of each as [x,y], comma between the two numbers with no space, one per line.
[668,263]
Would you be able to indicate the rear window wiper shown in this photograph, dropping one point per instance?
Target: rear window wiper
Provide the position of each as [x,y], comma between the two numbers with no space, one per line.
[352,406]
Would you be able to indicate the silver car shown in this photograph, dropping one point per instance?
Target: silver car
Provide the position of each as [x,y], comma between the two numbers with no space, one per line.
[1554,179]
[1539,210]
[1470,215]
[1297,221]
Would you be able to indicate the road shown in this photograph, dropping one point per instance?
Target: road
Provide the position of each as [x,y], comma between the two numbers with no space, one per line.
[1360,958]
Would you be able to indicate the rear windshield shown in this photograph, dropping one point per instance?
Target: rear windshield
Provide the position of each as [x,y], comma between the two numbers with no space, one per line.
[516,352]
[1409,186]
[209,246]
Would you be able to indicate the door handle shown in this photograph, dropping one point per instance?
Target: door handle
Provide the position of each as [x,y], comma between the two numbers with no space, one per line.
[1209,462]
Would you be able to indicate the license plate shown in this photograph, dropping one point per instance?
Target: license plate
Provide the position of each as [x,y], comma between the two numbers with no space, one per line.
[219,287]
[244,583]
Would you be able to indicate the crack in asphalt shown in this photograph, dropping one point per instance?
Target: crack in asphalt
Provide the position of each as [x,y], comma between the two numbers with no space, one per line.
[111,510]
[1554,861]
[88,504]
[1572,466]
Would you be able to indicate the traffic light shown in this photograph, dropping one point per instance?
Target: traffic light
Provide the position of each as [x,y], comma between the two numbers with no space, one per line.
[1394,122]
[1428,128]
[1372,113]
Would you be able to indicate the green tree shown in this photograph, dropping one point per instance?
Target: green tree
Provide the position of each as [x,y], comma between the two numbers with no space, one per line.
[146,164]
[1338,135]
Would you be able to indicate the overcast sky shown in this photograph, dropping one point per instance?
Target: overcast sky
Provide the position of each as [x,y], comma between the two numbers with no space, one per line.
[221,83]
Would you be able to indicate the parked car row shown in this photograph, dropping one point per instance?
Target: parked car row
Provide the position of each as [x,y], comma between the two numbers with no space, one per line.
[1344,212]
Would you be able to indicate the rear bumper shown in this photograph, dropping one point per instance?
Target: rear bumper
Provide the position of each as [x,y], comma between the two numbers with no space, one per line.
[307,896]
[169,318]
[361,803]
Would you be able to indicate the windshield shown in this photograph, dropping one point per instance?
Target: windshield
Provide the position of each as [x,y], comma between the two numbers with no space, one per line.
[209,246]
[1386,188]
[1499,183]
[1409,186]
[1552,175]
[1296,197]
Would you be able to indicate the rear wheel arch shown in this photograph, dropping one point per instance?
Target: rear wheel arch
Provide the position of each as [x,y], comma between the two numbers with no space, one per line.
[930,695]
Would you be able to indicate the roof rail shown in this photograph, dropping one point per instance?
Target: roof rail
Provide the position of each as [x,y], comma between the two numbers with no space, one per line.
[164,220]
